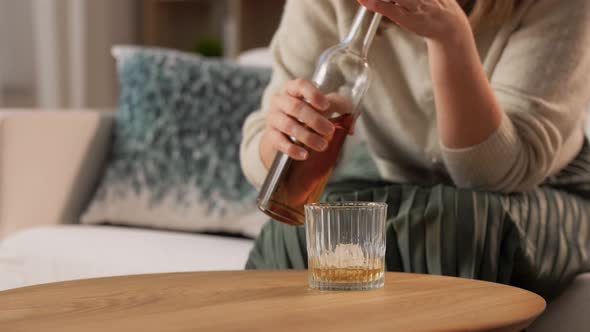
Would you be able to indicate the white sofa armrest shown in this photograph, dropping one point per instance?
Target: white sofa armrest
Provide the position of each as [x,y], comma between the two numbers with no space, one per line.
[50,162]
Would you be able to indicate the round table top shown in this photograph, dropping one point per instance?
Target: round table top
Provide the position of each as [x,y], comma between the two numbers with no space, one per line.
[265,301]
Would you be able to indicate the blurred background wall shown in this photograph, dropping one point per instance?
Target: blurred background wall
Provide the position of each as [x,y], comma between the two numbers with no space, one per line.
[56,53]
[72,40]
[17,58]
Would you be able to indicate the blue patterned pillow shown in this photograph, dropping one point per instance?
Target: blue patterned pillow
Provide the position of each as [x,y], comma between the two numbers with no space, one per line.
[175,157]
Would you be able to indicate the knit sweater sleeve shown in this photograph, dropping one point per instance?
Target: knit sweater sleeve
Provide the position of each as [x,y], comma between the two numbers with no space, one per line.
[542,82]
[308,27]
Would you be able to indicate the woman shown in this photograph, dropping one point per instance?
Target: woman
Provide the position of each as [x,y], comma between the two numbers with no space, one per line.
[480,103]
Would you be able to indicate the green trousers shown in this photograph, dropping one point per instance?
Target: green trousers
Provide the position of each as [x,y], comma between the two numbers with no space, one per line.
[538,241]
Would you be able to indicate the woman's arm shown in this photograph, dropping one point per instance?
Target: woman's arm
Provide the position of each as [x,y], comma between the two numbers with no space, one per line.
[466,107]
[511,131]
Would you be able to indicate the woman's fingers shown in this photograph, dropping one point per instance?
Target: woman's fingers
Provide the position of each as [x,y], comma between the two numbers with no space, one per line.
[281,143]
[294,114]
[291,127]
[303,112]
[411,6]
[432,19]
[306,90]
[392,10]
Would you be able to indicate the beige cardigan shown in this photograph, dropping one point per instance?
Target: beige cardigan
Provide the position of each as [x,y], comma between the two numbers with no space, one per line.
[539,66]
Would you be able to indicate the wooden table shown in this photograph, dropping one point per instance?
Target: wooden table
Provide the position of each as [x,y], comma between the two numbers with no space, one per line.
[265,301]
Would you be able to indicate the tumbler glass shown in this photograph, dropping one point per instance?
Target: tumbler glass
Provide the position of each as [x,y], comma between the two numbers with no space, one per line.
[346,245]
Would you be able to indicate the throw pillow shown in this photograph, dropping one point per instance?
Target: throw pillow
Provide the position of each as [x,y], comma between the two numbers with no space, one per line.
[175,155]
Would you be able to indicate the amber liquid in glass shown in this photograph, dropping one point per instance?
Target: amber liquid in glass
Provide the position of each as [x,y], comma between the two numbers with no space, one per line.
[305,181]
[348,274]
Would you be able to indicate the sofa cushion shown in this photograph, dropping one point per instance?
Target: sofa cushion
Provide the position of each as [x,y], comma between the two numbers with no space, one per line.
[175,157]
[57,253]
[257,57]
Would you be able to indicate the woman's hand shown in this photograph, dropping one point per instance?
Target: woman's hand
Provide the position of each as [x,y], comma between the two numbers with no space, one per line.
[299,111]
[290,116]
[437,20]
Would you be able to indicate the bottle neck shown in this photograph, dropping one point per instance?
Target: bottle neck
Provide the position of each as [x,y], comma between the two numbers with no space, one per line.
[363,31]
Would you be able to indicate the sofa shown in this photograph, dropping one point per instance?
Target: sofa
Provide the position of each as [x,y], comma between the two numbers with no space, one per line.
[49,167]
[50,163]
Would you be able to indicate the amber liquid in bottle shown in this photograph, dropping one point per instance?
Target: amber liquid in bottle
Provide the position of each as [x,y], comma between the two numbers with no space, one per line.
[342,70]
[306,180]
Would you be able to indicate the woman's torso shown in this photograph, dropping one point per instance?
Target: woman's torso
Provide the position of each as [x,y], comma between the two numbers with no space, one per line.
[399,117]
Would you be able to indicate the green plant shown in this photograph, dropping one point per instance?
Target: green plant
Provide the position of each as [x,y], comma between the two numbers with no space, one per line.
[209,47]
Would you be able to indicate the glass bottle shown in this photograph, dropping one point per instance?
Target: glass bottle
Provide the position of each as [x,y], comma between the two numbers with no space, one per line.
[343,74]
